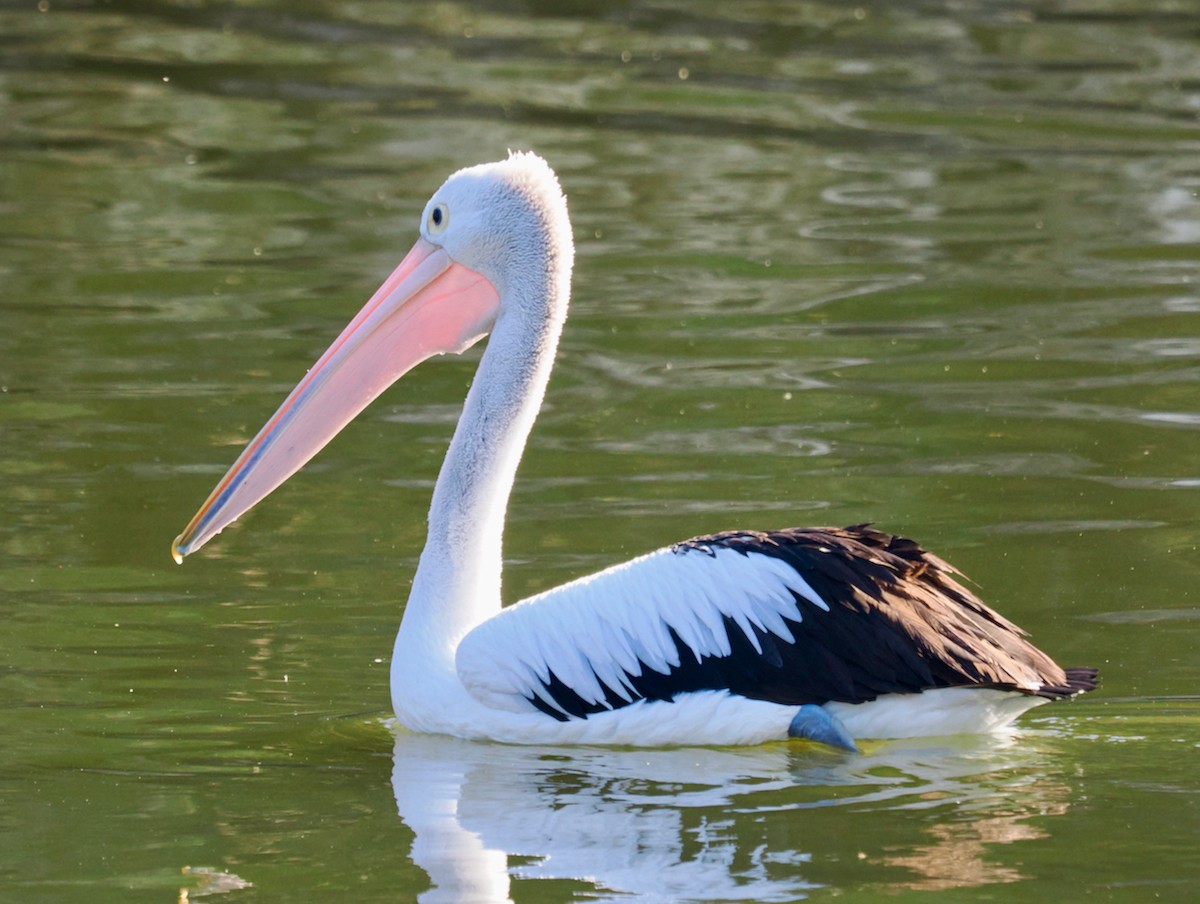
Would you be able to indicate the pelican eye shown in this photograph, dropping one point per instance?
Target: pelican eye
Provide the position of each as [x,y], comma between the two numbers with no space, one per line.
[439,218]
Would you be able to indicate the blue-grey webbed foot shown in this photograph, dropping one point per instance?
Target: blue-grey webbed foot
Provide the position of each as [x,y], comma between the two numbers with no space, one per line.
[816,723]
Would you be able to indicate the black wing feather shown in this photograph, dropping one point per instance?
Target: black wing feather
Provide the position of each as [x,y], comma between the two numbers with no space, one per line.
[898,622]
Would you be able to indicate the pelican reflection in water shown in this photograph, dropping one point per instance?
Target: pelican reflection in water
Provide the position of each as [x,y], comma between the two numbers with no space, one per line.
[711,824]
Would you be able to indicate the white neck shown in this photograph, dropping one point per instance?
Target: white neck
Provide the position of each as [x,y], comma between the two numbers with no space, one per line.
[457,584]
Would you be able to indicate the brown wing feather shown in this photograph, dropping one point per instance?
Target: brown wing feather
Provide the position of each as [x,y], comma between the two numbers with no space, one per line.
[899,621]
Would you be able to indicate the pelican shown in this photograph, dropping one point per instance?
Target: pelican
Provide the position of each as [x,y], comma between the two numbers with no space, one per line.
[829,634]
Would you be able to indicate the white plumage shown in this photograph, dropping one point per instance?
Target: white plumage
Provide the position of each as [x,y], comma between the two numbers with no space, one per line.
[737,638]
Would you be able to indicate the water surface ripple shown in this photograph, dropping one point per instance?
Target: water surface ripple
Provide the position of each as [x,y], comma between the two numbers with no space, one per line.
[929,265]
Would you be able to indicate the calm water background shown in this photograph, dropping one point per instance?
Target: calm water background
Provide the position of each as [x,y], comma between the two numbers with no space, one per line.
[933,265]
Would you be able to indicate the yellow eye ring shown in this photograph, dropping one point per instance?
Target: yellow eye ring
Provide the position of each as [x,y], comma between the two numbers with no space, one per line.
[439,219]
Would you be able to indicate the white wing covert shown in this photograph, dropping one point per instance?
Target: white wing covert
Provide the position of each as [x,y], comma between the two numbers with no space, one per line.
[636,630]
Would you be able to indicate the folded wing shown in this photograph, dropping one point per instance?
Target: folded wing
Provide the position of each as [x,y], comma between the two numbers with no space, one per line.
[792,617]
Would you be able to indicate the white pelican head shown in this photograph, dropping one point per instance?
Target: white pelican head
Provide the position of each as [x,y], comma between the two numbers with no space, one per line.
[495,241]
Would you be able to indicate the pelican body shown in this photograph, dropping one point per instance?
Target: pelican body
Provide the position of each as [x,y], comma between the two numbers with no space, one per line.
[831,634]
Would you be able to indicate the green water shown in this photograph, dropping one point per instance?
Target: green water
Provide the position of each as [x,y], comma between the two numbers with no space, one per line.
[936,266]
